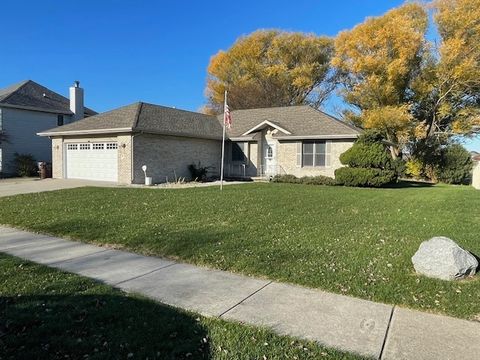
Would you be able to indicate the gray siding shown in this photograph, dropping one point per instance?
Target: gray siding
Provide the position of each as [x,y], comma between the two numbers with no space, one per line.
[21,127]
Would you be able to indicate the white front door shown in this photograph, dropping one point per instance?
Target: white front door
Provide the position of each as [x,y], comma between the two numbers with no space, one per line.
[92,161]
[270,157]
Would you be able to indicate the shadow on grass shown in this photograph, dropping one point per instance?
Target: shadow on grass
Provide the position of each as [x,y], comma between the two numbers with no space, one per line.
[148,240]
[410,184]
[100,326]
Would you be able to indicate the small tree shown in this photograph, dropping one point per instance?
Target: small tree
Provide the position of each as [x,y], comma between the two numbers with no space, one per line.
[369,163]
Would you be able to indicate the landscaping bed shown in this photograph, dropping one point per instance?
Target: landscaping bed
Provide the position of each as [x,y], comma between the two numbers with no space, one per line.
[352,241]
[49,314]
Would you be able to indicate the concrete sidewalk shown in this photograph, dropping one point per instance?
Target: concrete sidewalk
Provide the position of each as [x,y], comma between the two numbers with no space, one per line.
[354,325]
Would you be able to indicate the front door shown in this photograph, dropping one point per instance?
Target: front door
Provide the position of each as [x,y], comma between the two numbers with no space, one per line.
[270,158]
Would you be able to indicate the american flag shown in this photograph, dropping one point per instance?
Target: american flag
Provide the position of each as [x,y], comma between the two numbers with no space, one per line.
[227,117]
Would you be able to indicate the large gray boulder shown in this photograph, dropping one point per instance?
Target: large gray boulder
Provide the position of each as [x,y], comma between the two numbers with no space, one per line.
[442,258]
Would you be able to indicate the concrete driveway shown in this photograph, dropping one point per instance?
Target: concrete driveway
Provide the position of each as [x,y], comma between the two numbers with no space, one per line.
[34,185]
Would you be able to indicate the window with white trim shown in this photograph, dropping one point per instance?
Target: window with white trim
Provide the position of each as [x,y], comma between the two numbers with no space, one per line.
[315,154]
[84,146]
[72,147]
[98,146]
[112,146]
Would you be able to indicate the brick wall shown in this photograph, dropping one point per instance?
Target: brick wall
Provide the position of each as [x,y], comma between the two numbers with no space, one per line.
[124,159]
[57,158]
[287,159]
[168,157]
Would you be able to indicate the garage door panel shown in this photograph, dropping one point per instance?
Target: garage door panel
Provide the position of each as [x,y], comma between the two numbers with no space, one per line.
[96,161]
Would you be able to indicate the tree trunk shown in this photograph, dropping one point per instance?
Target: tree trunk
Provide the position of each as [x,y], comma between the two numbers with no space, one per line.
[394,151]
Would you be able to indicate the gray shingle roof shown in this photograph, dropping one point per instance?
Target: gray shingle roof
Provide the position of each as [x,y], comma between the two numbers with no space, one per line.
[143,117]
[29,94]
[301,120]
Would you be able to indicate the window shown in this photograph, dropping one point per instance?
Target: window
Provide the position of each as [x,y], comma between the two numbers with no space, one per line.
[84,146]
[238,151]
[98,146]
[112,146]
[269,152]
[314,153]
[72,147]
[59,120]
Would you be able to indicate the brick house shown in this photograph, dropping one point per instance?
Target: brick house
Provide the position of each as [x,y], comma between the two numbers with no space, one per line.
[113,146]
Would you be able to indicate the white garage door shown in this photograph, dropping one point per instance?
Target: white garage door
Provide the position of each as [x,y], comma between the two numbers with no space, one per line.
[92,161]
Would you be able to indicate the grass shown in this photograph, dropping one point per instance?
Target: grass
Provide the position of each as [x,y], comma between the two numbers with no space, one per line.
[352,241]
[49,314]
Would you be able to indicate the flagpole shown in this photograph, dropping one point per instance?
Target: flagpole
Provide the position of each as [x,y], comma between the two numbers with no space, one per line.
[223,141]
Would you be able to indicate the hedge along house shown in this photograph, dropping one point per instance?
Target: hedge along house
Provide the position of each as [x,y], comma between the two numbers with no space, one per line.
[113,146]
[297,140]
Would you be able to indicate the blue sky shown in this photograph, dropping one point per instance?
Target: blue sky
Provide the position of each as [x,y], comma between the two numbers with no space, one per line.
[155,51]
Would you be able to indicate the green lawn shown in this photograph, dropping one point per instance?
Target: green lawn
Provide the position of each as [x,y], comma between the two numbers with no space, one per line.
[346,240]
[48,314]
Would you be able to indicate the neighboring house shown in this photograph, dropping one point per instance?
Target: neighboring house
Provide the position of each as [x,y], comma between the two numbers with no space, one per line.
[27,108]
[113,146]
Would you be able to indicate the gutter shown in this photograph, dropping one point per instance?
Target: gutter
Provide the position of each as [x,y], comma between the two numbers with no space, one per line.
[124,130]
[85,132]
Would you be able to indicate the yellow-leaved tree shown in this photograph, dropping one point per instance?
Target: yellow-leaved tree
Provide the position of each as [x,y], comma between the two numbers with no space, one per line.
[270,68]
[378,62]
[418,93]
[447,94]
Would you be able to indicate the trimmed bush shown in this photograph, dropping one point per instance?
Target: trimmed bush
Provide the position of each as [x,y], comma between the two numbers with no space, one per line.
[369,163]
[318,180]
[456,165]
[291,179]
[307,180]
[367,155]
[364,177]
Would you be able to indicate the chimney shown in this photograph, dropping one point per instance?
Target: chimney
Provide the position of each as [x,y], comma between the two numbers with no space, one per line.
[76,101]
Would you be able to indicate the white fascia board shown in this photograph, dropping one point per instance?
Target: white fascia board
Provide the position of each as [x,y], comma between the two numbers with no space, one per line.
[241,138]
[266,122]
[85,132]
[315,137]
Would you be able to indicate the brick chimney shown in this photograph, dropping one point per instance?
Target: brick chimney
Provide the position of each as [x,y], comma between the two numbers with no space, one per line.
[76,101]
